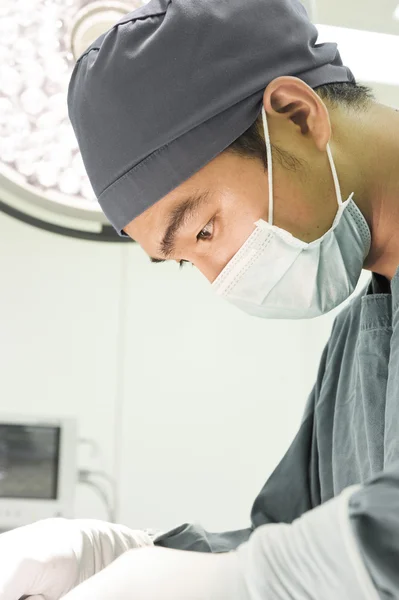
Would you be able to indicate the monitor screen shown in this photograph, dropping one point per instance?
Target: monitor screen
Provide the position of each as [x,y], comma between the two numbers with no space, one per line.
[29,461]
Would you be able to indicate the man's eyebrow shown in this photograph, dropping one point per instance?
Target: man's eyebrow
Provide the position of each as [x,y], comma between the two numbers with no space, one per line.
[177,218]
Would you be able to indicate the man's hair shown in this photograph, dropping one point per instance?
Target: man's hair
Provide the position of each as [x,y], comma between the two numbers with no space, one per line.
[351,95]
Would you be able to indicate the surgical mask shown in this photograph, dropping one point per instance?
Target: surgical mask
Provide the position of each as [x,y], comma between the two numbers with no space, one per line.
[276,275]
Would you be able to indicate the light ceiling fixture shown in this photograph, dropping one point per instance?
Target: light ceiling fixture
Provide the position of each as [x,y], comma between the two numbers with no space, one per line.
[396,13]
[42,175]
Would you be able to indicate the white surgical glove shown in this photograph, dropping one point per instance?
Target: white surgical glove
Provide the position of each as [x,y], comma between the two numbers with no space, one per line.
[314,558]
[51,557]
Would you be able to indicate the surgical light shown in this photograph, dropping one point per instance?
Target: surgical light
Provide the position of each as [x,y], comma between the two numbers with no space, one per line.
[40,163]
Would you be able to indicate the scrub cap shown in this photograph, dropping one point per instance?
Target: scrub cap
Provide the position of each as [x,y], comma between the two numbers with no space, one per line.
[174,83]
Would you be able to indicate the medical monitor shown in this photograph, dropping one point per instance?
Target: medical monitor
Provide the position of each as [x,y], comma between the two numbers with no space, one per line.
[37,469]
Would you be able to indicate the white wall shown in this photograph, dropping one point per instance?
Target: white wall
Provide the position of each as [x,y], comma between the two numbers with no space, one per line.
[192,402]
[203,386]
[59,311]
[212,398]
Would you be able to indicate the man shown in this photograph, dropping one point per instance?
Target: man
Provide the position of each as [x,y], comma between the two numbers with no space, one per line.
[221,134]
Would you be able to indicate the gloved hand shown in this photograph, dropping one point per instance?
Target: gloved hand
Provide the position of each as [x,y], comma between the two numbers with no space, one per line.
[316,557]
[50,557]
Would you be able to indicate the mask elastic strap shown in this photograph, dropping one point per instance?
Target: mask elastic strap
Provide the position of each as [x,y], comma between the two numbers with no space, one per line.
[269,164]
[335,176]
[270,168]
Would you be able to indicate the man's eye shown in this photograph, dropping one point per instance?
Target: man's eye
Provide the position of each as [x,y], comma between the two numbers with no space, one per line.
[207,232]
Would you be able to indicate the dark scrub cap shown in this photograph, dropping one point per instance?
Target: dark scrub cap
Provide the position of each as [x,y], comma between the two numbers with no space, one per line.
[175,82]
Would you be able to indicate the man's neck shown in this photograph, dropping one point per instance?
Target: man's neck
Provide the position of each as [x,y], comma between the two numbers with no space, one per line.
[371,170]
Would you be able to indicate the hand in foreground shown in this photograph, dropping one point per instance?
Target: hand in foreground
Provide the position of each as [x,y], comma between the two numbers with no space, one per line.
[316,556]
[51,557]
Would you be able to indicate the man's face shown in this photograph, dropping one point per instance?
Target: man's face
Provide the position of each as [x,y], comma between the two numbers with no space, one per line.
[208,217]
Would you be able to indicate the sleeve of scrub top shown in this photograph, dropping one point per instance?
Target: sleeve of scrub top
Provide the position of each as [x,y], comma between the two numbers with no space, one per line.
[374,510]
[273,504]
[374,515]
[314,557]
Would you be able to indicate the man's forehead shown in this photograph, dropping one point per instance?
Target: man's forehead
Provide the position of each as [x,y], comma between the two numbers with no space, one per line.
[156,215]
[147,228]
[157,229]
[143,227]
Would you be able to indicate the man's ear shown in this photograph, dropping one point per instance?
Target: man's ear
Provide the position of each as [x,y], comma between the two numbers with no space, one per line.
[290,97]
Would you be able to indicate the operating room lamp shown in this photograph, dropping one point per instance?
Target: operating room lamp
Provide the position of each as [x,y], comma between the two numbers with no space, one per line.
[42,177]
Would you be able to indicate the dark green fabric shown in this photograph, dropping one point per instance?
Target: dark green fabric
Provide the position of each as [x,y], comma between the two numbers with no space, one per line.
[374,513]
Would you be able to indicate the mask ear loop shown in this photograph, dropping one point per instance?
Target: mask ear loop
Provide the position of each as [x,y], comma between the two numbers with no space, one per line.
[270,169]
[335,176]
[269,165]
